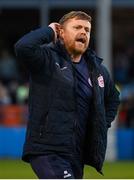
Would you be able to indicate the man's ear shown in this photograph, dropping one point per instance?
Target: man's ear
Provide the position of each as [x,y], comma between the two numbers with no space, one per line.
[61,31]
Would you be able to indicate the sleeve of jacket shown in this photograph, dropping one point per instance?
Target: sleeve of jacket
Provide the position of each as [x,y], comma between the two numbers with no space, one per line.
[29,49]
[111,98]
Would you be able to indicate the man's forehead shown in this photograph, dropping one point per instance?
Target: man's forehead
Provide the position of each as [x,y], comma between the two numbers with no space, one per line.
[79,21]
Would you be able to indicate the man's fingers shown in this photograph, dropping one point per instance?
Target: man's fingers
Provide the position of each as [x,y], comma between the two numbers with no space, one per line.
[56,27]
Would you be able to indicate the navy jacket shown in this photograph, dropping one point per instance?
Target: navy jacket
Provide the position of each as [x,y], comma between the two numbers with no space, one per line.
[52,102]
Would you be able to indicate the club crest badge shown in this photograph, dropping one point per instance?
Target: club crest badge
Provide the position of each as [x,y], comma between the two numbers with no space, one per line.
[101,81]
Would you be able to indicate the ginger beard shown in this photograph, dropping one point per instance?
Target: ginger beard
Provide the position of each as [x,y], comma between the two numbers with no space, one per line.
[76,41]
[80,44]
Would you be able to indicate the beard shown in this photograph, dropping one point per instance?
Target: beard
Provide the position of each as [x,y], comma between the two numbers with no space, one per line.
[78,47]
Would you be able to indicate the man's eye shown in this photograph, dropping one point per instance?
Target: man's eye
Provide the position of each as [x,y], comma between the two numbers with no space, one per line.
[87,30]
[76,27]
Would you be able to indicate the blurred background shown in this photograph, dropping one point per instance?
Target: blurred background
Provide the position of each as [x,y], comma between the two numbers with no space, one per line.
[112,38]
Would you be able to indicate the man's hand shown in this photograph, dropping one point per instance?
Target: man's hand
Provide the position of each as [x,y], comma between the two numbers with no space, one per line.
[56,28]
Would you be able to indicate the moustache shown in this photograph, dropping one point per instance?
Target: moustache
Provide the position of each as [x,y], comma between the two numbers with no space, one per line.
[81,39]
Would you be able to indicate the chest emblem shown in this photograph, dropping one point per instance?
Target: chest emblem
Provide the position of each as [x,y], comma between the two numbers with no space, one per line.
[61,68]
[89,81]
[101,81]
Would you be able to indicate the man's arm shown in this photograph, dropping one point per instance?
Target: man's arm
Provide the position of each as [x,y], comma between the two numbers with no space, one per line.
[111,99]
[29,48]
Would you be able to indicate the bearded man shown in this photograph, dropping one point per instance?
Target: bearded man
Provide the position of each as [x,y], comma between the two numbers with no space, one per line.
[72,99]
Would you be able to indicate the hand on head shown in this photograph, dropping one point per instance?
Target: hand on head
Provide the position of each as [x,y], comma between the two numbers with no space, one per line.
[56,28]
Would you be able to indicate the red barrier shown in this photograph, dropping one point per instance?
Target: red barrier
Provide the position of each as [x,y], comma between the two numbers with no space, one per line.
[13,115]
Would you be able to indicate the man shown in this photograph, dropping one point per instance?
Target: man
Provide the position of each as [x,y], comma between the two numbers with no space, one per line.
[72,99]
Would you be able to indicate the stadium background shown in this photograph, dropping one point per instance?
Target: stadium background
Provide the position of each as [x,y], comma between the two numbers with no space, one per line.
[113,39]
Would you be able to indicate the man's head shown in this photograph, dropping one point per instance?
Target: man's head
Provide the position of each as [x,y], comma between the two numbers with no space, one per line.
[75,31]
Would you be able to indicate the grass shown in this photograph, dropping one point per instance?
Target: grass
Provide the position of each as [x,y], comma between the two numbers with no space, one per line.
[17,169]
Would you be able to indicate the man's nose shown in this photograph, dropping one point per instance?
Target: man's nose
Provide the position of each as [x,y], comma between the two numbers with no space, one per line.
[83,31]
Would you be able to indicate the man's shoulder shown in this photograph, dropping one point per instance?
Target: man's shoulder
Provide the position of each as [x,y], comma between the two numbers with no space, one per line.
[49,48]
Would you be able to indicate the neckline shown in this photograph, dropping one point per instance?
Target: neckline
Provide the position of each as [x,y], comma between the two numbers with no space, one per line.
[78,62]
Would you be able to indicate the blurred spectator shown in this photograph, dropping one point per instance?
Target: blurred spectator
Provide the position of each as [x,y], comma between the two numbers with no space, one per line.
[22,93]
[130,53]
[127,91]
[8,67]
[130,113]
[4,95]
[12,86]
[122,116]
[126,112]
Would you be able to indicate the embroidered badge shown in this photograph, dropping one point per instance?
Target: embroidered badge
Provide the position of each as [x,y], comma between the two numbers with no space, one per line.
[101,81]
[89,81]
[61,68]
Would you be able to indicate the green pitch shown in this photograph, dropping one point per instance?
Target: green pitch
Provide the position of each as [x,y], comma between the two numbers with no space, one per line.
[16,169]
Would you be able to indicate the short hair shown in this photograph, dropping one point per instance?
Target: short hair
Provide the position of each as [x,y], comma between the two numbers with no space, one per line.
[75,14]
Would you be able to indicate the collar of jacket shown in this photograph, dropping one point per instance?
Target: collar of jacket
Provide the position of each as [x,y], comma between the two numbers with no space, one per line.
[89,54]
